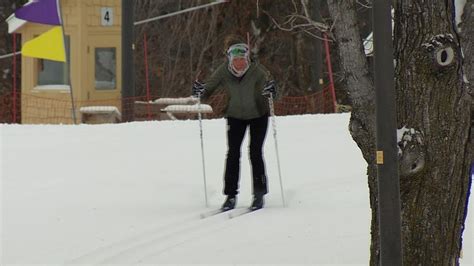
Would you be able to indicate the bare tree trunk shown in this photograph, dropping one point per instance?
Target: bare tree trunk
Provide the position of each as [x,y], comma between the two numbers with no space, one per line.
[434,104]
[359,84]
[208,41]
[300,57]
[434,108]
[316,50]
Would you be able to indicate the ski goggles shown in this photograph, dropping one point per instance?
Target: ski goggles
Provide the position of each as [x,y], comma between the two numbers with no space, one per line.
[238,50]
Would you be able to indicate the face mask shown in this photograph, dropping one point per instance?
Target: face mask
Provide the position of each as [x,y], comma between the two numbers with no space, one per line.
[240,50]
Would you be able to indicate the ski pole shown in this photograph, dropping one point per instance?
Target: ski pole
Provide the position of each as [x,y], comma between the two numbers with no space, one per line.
[272,114]
[202,149]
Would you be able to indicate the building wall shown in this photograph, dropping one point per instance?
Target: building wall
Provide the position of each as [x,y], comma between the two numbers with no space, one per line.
[93,14]
[99,36]
[50,104]
[82,21]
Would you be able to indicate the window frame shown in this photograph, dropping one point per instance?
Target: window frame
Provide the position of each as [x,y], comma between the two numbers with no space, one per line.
[66,65]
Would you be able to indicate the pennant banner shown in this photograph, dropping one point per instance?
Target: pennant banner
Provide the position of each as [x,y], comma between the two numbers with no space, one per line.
[40,11]
[49,45]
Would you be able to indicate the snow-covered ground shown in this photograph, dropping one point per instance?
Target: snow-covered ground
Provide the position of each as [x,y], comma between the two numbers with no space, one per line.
[132,193]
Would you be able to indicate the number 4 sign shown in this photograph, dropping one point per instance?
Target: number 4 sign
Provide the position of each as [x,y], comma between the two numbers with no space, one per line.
[107,16]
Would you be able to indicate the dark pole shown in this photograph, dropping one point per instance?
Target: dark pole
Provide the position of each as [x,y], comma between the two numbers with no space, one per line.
[128,84]
[386,124]
[14,79]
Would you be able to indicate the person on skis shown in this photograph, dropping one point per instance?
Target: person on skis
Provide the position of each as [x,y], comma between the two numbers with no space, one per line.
[248,86]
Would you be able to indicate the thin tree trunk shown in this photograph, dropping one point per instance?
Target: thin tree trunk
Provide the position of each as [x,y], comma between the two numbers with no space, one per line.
[315,51]
[300,56]
[359,84]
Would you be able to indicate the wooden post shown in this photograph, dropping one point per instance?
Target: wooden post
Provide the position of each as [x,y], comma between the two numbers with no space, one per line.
[128,84]
[386,126]
[14,96]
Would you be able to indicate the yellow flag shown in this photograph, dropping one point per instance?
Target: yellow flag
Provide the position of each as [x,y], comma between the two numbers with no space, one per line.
[49,45]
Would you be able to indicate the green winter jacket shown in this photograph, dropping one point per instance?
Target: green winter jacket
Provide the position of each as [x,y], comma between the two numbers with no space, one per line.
[244,94]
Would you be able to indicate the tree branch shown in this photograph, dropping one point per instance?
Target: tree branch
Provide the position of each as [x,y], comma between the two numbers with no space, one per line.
[297,22]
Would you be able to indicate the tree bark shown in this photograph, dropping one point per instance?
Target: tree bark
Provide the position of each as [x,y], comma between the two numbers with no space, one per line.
[434,109]
[467,38]
[301,58]
[359,84]
[435,158]
[316,47]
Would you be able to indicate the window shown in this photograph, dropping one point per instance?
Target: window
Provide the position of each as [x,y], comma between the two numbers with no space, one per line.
[53,72]
[105,68]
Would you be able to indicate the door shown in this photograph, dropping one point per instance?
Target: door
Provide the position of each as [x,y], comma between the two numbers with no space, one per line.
[104,73]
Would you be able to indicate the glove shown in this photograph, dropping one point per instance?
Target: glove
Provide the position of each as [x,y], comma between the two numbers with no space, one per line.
[270,89]
[198,89]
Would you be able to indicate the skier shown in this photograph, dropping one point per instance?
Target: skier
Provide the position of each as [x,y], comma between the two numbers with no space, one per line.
[247,86]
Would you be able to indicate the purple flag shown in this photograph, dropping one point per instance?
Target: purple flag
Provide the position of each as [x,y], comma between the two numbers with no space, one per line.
[40,11]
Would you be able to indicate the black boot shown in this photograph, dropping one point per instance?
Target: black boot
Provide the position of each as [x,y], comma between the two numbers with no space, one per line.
[229,203]
[257,202]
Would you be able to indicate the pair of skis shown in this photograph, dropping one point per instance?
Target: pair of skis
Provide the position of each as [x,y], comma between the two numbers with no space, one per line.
[231,213]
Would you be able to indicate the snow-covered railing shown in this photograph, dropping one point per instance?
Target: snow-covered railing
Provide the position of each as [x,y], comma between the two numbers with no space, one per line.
[186,109]
[100,114]
[184,105]
[187,105]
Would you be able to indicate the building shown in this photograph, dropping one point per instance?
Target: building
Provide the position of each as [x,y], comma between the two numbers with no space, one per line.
[93,44]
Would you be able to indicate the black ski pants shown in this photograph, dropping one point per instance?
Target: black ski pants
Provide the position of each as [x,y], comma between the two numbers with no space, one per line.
[236,129]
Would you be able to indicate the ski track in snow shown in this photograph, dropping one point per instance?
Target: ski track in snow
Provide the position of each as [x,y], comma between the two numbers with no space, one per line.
[152,243]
